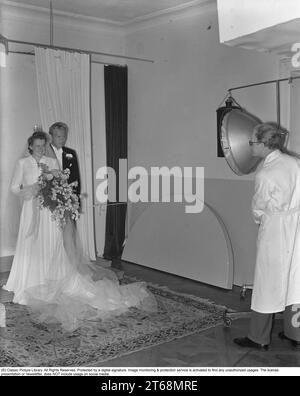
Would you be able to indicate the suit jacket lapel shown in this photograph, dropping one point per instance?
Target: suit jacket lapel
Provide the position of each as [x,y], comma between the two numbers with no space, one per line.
[64,164]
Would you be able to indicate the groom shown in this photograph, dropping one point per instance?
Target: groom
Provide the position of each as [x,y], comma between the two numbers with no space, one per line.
[66,157]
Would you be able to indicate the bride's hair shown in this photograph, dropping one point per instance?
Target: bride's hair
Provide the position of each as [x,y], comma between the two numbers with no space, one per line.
[35,136]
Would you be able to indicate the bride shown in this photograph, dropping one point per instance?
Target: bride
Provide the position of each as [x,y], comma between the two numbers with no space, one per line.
[49,272]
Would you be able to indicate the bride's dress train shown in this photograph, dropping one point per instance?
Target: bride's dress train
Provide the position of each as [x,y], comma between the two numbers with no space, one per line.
[50,274]
[85,292]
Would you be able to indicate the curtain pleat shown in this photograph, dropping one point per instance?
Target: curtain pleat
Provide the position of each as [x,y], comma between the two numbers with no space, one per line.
[63,81]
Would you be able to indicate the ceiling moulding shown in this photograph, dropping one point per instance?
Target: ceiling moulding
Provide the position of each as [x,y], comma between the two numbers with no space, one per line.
[169,11]
[12,11]
[24,12]
[189,10]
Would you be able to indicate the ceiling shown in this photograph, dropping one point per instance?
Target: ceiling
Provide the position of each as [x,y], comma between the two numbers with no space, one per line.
[118,11]
[124,12]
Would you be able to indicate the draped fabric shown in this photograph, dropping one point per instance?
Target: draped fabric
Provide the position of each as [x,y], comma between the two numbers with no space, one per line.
[116,110]
[74,291]
[63,81]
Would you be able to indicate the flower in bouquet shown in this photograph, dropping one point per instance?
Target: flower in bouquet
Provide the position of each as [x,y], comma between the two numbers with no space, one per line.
[57,195]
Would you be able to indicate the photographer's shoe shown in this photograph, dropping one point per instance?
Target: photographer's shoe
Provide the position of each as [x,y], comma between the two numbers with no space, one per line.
[247,343]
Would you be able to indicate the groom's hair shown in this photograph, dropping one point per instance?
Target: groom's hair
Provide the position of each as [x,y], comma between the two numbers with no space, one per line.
[59,125]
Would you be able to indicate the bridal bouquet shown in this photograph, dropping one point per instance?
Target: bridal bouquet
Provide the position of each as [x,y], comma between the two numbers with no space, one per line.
[57,195]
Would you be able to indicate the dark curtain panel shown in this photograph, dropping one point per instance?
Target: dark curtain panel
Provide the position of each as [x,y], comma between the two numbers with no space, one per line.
[116,109]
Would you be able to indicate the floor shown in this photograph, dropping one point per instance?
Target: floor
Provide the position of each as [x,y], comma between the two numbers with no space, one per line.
[211,348]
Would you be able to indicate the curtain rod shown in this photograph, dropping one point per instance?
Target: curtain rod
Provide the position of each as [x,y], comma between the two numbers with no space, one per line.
[98,62]
[290,79]
[67,49]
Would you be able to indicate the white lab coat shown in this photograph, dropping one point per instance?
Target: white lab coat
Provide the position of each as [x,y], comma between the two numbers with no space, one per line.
[276,208]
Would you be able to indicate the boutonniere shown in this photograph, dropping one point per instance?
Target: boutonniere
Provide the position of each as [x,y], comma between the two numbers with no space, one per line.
[69,156]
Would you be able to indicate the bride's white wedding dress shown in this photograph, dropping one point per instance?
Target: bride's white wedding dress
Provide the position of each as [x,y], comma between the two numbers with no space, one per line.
[50,273]
[34,250]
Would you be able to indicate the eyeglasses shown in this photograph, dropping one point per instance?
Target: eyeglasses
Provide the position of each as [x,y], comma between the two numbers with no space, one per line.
[251,143]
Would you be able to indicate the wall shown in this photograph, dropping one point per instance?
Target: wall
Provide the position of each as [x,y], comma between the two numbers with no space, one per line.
[19,102]
[19,108]
[172,111]
[294,142]
[172,104]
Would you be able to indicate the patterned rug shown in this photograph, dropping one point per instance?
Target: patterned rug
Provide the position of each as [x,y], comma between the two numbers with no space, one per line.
[24,343]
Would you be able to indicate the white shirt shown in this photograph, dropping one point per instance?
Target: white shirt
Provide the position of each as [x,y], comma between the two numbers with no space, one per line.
[58,153]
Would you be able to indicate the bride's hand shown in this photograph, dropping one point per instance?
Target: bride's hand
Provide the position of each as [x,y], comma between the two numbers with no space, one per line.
[55,172]
[26,193]
[35,189]
[29,192]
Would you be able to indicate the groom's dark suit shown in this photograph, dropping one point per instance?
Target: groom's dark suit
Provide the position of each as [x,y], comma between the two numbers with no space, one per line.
[70,161]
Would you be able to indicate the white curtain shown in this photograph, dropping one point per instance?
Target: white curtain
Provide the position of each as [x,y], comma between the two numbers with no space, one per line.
[63,81]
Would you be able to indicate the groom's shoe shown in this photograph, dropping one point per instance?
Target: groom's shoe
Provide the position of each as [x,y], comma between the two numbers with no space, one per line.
[247,343]
[294,343]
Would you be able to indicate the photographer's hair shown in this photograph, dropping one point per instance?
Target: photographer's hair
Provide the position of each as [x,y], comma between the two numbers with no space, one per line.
[271,135]
[59,125]
[274,137]
[36,136]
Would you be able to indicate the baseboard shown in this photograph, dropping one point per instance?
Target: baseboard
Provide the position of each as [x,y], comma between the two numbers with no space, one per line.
[5,264]
[6,252]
